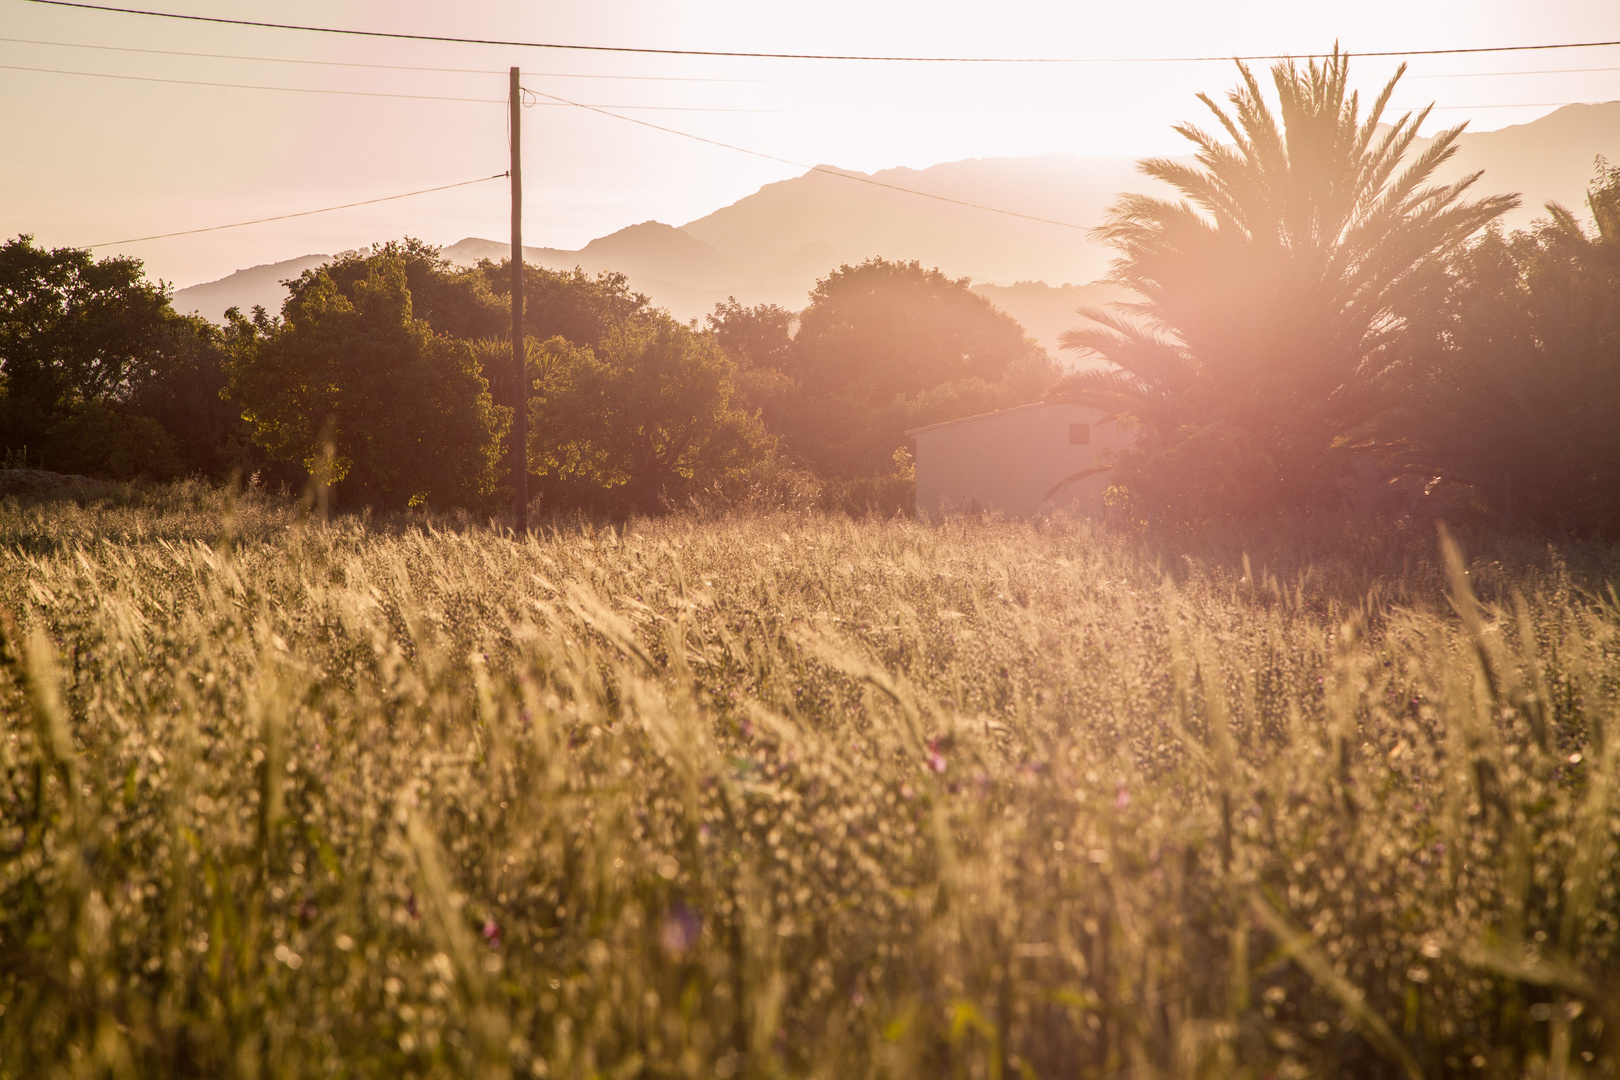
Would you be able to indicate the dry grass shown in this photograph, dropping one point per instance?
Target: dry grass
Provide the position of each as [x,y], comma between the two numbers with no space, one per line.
[793,796]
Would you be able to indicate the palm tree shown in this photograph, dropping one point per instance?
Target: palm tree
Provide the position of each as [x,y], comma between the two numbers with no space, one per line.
[1270,291]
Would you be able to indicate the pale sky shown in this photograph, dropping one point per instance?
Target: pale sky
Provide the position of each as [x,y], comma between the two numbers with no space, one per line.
[89,160]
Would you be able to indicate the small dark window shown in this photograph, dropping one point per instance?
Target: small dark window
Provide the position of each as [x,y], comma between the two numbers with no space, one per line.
[1079,434]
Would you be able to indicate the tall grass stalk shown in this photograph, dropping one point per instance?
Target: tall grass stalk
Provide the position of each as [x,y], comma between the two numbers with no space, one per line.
[795,796]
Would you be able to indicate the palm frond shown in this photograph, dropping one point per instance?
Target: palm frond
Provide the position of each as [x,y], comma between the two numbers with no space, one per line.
[1280,264]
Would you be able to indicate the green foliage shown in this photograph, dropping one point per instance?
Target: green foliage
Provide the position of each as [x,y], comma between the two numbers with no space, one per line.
[186,396]
[99,375]
[366,396]
[1517,393]
[71,329]
[884,328]
[401,364]
[1271,293]
[758,337]
[882,347]
[575,306]
[95,439]
[643,424]
[797,797]
[453,302]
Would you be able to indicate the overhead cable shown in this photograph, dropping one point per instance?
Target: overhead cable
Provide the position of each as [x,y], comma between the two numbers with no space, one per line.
[801,165]
[632,78]
[246,86]
[383,67]
[636,78]
[643,50]
[1514,105]
[303,213]
[1493,74]
[409,97]
[603,108]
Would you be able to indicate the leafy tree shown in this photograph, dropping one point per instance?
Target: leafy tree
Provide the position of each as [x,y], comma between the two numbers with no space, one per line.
[572,305]
[1271,294]
[1517,392]
[882,346]
[629,410]
[451,301]
[97,439]
[99,374]
[641,424]
[758,337]
[185,396]
[72,329]
[885,328]
[405,411]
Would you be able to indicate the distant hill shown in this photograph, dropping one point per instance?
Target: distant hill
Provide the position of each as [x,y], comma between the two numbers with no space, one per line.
[856,220]
[773,245]
[1546,160]
[244,289]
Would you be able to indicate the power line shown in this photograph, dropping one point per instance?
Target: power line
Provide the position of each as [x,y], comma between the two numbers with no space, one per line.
[409,97]
[631,78]
[399,36]
[597,108]
[802,165]
[1516,105]
[1491,74]
[605,111]
[384,67]
[302,213]
[247,86]
[630,119]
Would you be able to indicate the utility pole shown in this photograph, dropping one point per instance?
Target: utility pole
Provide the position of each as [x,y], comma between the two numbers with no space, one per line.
[520,408]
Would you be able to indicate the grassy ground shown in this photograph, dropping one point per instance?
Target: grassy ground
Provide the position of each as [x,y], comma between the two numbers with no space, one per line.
[797,796]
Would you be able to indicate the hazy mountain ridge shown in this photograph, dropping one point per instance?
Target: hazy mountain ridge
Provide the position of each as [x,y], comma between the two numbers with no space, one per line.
[244,289]
[1547,160]
[773,245]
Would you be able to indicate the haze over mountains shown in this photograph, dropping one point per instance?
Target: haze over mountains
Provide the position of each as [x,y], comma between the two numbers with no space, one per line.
[772,246]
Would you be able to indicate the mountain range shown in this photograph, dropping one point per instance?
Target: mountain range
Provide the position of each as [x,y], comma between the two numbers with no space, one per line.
[773,245]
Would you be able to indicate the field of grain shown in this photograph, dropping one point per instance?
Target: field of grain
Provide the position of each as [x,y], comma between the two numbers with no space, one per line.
[797,796]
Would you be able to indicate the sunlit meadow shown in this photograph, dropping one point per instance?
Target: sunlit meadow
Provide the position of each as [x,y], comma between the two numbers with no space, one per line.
[772,795]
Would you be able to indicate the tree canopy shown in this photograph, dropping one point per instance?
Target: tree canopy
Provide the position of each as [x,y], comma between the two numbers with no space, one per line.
[884,328]
[641,423]
[365,395]
[99,374]
[1514,386]
[759,337]
[397,404]
[881,347]
[451,301]
[573,305]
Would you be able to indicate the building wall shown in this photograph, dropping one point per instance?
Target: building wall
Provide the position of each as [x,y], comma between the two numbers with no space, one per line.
[1007,461]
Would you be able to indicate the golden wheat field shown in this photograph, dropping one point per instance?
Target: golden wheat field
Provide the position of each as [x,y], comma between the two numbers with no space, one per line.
[773,795]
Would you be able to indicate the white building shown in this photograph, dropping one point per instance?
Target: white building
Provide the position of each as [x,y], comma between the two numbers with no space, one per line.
[1015,461]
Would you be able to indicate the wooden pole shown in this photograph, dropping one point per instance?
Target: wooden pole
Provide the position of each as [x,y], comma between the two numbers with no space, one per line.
[520,408]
